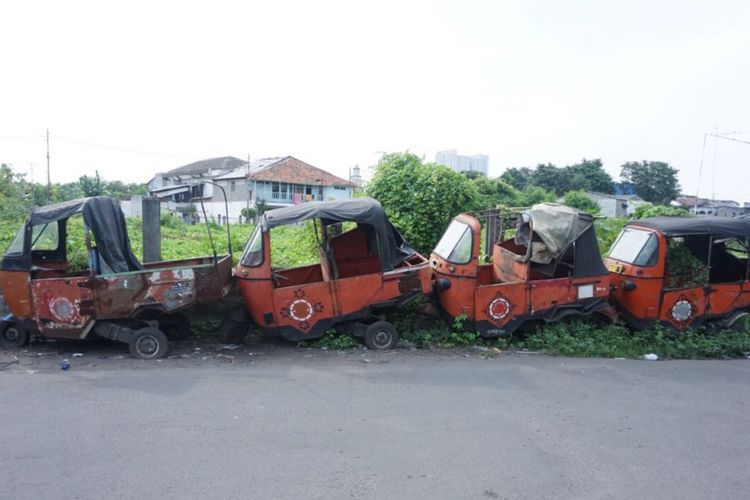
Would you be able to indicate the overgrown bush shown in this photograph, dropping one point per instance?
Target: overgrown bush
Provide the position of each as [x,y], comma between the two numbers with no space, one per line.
[683,268]
[581,201]
[421,199]
[648,210]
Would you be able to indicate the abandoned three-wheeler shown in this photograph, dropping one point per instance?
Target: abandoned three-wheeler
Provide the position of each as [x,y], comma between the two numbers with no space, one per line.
[681,271]
[550,269]
[362,274]
[114,296]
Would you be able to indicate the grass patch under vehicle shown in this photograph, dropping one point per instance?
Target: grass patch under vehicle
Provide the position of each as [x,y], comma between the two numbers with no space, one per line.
[583,339]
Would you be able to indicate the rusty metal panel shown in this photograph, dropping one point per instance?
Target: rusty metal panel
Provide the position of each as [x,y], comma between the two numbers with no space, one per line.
[62,308]
[167,289]
[16,288]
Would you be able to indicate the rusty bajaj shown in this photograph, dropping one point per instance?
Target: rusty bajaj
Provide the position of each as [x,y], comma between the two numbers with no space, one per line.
[549,270]
[681,272]
[362,275]
[115,296]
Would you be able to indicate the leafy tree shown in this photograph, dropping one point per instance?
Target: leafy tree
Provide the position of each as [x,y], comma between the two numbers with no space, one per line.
[472,174]
[533,195]
[519,178]
[92,186]
[420,199]
[118,189]
[249,214]
[581,201]
[260,207]
[494,192]
[551,178]
[589,175]
[14,202]
[654,181]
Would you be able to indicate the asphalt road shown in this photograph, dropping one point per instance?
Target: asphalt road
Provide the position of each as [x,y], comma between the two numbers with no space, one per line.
[296,424]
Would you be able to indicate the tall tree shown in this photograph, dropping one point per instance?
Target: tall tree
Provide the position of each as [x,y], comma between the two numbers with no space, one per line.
[654,181]
[494,192]
[589,175]
[92,186]
[519,178]
[551,178]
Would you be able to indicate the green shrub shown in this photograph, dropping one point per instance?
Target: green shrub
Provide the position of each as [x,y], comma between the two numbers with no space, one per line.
[581,201]
[648,210]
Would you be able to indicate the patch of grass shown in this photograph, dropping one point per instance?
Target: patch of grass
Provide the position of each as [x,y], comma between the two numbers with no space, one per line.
[335,341]
[454,335]
[580,338]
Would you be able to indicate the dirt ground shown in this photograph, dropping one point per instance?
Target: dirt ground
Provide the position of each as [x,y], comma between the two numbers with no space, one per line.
[91,354]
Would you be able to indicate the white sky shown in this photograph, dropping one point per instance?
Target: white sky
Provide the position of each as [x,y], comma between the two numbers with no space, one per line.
[336,83]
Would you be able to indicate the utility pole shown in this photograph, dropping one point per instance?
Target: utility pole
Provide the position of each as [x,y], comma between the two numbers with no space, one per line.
[49,182]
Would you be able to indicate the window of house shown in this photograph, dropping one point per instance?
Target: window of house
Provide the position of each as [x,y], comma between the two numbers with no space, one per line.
[284,190]
[232,186]
[274,190]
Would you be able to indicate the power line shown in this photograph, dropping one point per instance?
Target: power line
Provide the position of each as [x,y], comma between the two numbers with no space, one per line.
[733,139]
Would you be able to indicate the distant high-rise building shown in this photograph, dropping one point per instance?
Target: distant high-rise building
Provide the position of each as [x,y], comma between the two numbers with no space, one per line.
[463,163]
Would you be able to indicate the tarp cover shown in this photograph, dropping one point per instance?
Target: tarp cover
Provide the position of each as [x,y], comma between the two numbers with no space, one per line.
[686,226]
[104,217]
[106,221]
[557,226]
[392,248]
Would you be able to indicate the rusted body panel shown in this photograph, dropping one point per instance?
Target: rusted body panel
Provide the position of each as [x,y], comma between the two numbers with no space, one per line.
[499,297]
[16,288]
[67,306]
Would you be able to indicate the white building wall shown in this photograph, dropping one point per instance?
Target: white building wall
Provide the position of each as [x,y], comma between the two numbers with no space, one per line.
[132,207]
[331,193]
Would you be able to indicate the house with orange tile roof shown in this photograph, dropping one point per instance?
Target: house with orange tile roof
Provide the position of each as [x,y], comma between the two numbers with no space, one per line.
[279,181]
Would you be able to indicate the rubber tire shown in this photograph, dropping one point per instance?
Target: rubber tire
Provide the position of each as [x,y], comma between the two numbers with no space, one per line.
[154,335]
[20,337]
[233,332]
[176,326]
[381,335]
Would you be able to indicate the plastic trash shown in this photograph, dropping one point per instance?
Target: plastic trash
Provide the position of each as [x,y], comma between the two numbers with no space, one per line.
[64,364]
[77,354]
[650,357]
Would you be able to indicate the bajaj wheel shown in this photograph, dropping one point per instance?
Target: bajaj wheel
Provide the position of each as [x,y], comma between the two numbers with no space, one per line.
[381,335]
[148,343]
[14,335]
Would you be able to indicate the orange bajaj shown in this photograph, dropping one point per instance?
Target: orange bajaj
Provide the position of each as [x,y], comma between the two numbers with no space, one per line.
[550,269]
[681,271]
[362,274]
[52,294]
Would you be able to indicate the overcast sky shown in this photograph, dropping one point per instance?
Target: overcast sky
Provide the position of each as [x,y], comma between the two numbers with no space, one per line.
[337,83]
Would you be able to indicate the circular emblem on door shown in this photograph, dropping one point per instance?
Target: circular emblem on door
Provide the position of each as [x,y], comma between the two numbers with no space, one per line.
[499,308]
[62,309]
[300,310]
[682,310]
